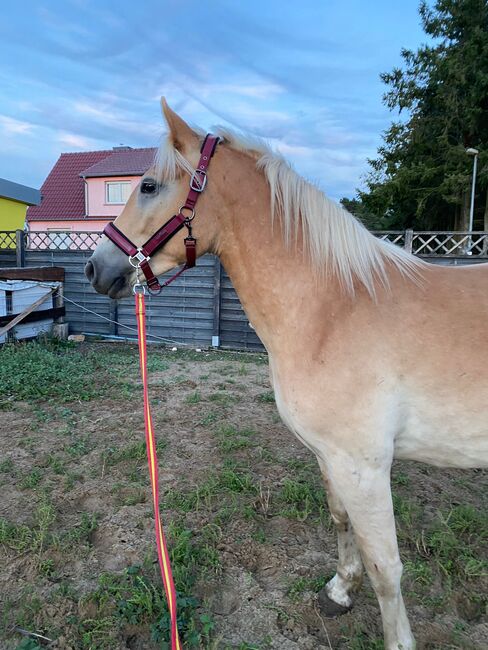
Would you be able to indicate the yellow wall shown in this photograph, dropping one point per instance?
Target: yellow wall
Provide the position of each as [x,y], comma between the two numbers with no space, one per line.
[12,214]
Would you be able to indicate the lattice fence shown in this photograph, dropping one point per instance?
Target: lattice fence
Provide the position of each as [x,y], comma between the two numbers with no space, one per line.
[458,244]
[7,239]
[62,241]
[394,236]
[426,244]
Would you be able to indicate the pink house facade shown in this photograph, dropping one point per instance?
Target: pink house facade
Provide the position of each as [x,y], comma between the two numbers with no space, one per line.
[84,191]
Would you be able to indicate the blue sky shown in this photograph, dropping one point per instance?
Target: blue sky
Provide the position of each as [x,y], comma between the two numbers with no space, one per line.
[84,74]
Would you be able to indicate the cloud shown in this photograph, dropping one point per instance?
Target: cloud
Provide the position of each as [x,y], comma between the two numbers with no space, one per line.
[73,140]
[11,126]
[89,74]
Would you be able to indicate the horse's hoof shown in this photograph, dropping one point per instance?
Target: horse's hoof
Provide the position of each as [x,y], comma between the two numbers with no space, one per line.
[329,607]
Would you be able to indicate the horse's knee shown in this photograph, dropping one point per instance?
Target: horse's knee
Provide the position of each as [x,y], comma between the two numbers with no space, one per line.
[385,576]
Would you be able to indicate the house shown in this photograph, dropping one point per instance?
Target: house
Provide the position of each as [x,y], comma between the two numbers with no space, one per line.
[14,199]
[85,190]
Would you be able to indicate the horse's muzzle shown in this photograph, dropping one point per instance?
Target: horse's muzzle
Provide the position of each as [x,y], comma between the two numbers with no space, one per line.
[109,272]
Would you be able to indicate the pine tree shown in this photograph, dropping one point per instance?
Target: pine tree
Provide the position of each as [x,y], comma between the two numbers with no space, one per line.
[422,175]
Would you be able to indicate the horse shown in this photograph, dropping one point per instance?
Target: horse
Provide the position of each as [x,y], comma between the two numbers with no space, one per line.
[374,354]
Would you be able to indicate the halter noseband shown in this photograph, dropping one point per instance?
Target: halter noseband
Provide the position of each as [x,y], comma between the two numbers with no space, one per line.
[139,256]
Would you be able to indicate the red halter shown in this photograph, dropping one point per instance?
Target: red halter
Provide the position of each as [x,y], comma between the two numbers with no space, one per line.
[139,256]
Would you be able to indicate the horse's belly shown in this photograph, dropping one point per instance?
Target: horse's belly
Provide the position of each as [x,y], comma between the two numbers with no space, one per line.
[443,439]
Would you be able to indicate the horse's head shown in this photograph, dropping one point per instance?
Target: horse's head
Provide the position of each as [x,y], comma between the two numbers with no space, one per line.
[159,196]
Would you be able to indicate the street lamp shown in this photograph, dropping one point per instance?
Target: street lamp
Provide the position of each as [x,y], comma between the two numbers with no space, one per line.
[472,152]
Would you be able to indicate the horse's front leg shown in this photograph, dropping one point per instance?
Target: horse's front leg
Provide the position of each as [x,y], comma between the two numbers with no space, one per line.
[364,490]
[336,597]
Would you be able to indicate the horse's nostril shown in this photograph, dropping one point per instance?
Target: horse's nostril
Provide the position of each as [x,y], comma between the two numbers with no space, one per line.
[90,271]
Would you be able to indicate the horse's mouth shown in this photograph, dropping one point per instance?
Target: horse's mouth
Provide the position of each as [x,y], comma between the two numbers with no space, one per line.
[120,288]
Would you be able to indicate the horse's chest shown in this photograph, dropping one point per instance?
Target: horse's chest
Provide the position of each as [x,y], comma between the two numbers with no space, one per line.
[293,414]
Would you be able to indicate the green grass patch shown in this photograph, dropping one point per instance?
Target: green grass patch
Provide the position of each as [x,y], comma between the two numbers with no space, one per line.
[299,586]
[136,451]
[232,439]
[30,371]
[300,499]
[266,398]
[456,543]
[193,398]
[135,597]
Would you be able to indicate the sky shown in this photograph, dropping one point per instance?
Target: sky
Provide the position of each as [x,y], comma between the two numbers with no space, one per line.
[81,75]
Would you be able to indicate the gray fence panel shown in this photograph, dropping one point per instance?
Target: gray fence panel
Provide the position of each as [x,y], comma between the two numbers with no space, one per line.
[186,312]
[183,312]
[235,331]
[8,257]
[76,289]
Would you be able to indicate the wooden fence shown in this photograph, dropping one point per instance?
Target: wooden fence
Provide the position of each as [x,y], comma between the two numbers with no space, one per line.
[201,308]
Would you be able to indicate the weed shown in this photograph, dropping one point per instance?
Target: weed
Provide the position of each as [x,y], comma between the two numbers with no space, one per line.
[7,466]
[47,370]
[193,398]
[136,451]
[299,586]
[400,478]
[223,398]
[83,531]
[236,481]
[232,439]
[301,500]
[405,511]
[419,571]
[78,447]
[266,398]
[31,480]
[454,541]
[209,418]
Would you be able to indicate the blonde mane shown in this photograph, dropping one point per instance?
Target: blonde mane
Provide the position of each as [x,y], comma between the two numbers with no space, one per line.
[335,241]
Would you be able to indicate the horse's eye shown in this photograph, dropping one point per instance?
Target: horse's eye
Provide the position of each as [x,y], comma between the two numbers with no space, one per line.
[148,187]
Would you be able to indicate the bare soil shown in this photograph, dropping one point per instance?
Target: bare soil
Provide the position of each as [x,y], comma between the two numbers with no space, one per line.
[249,497]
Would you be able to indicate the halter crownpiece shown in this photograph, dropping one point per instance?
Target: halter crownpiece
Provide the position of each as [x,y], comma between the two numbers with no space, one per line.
[139,256]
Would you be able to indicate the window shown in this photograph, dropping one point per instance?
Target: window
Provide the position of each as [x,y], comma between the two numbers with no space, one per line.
[117,192]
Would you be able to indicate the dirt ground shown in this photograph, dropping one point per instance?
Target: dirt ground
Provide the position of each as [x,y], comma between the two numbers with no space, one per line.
[242,501]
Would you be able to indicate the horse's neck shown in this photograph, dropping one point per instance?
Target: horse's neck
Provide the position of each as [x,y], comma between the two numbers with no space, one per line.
[275,283]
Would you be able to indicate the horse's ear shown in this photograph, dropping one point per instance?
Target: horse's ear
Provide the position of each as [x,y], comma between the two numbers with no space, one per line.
[182,136]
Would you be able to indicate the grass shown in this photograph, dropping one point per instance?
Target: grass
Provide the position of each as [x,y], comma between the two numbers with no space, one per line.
[454,542]
[232,439]
[226,513]
[53,369]
[300,585]
[134,597]
[135,451]
[300,499]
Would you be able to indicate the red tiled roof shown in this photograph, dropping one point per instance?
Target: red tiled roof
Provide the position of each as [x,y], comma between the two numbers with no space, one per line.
[131,162]
[63,191]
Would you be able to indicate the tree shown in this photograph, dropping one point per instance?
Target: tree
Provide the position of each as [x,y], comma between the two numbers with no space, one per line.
[421,177]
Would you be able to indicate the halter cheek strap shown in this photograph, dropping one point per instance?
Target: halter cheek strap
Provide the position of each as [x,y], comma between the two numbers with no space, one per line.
[139,256]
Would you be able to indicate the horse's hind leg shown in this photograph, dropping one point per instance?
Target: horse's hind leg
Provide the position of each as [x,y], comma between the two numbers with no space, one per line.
[335,599]
[366,495]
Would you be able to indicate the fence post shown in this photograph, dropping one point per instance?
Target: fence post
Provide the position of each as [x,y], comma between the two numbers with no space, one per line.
[408,240]
[60,327]
[20,248]
[216,303]
[113,315]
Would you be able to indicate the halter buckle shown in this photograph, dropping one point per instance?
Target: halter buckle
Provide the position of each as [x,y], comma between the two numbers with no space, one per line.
[140,257]
[197,184]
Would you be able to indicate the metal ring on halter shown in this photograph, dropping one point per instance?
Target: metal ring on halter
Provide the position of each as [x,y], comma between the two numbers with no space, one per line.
[154,292]
[185,207]
[139,288]
[140,257]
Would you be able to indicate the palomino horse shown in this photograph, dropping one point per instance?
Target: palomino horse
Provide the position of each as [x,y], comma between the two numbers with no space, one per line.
[373,354]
